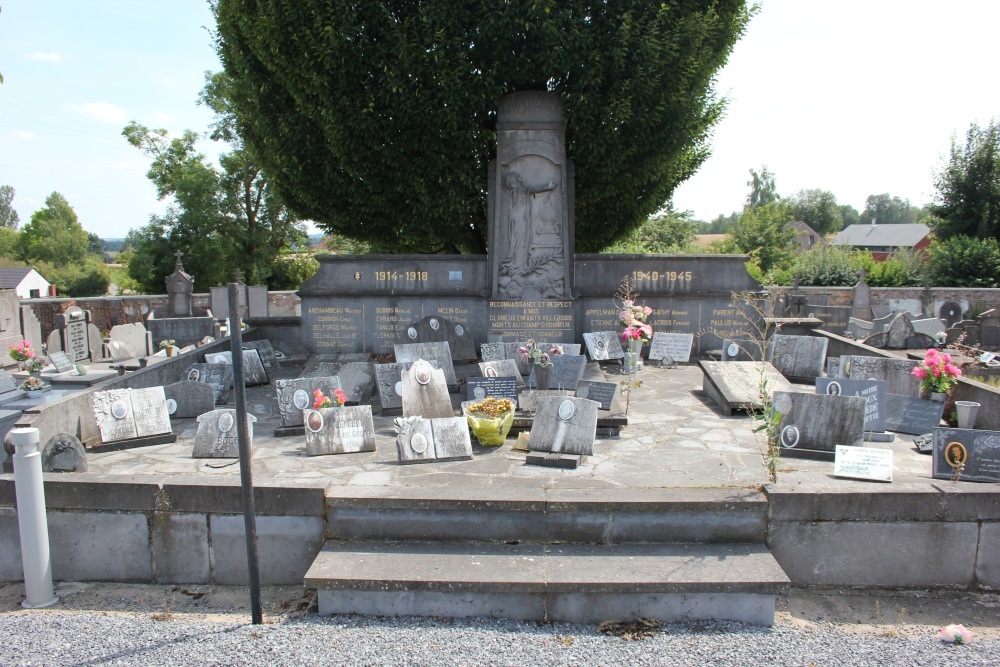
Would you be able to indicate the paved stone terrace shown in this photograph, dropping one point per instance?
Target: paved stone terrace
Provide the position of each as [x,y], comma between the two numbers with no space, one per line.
[676,438]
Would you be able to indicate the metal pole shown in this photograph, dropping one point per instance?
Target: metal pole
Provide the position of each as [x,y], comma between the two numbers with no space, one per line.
[31,519]
[243,435]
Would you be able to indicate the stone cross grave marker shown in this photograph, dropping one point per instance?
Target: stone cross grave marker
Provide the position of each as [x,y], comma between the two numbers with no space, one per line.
[425,393]
[219,376]
[564,425]
[798,356]
[339,430]
[873,391]
[421,440]
[439,352]
[818,423]
[602,392]
[966,454]
[217,436]
[603,345]
[296,395]
[677,346]
[187,399]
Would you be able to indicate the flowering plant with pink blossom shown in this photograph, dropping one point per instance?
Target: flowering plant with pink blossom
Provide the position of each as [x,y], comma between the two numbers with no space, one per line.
[936,372]
[21,351]
[632,315]
[956,634]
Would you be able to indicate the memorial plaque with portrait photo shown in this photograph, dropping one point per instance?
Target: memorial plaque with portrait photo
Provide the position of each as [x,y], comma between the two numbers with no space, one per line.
[439,352]
[564,425]
[819,422]
[295,395]
[502,368]
[343,430]
[217,436]
[425,393]
[873,391]
[149,406]
[966,455]
[478,388]
[113,413]
[421,440]
[740,350]
[603,345]
[219,376]
[187,399]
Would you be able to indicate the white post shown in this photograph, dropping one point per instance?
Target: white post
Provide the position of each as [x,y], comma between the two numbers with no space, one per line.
[31,519]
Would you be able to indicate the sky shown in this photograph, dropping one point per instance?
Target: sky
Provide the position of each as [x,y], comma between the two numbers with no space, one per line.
[857,97]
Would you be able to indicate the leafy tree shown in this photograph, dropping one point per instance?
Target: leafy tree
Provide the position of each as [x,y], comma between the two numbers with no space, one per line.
[901,269]
[722,224]
[825,266]
[818,209]
[968,188]
[366,113]
[766,234]
[964,261]
[763,191]
[9,245]
[89,277]
[668,232]
[849,214]
[8,214]
[885,209]
[54,234]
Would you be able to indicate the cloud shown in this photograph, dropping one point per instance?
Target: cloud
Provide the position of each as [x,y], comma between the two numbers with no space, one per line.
[163,118]
[23,135]
[102,111]
[42,55]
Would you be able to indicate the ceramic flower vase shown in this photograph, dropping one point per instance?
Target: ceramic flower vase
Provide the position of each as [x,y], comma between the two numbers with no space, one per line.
[633,356]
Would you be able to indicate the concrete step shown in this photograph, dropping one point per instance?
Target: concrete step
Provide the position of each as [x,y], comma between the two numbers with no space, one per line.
[580,516]
[572,583]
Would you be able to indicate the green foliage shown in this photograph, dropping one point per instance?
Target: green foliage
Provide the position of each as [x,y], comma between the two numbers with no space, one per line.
[885,209]
[291,270]
[819,210]
[825,266]
[968,189]
[54,234]
[722,224]
[964,261]
[765,233]
[669,232]
[8,214]
[9,242]
[849,214]
[377,119]
[89,277]
[902,269]
[763,190]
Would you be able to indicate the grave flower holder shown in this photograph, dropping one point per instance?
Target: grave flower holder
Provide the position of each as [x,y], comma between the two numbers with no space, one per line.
[490,430]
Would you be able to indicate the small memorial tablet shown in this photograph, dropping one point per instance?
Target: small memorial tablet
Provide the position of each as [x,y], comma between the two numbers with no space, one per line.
[603,345]
[479,388]
[677,346]
[863,463]
[339,430]
[439,352]
[966,455]
[296,395]
[564,425]
[873,391]
[915,416]
[220,376]
[267,356]
[113,413]
[421,440]
[798,356]
[186,399]
[149,406]
[61,362]
[602,392]
[217,435]
[567,371]
[818,423]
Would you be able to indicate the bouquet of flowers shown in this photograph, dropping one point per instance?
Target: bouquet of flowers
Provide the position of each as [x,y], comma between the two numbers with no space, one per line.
[531,352]
[21,352]
[32,384]
[631,315]
[321,400]
[936,372]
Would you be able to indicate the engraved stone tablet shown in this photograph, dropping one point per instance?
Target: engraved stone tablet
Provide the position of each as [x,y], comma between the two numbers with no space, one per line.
[897,373]
[75,340]
[253,368]
[217,436]
[187,399]
[564,425]
[219,376]
[435,329]
[119,351]
[602,392]
[296,395]
[915,416]
[740,350]
[603,345]
[478,388]
[735,385]
[425,393]
[64,453]
[339,430]
[421,440]
[566,372]
[493,351]
[439,352]
[113,413]
[501,369]
[61,362]
[357,379]
[389,382]
[7,383]
[267,356]
[873,391]
[798,356]
[967,455]
[677,346]
[813,422]
[150,409]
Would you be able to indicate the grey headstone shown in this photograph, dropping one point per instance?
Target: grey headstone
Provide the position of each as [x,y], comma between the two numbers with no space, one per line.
[7,383]
[219,376]
[873,391]
[61,362]
[253,368]
[389,382]
[187,399]
[339,430]
[119,351]
[930,326]
[602,392]
[296,395]
[75,340]
[434,329]
[677,346]
[439,352]
[989,329]
[813,422]
[966,454]
[908,414]
[54,341]
[266,352]
[564,425]
[798,356]
[217,436]
[114,414]
[134,335]
[735,385]
[256,301]
[421,440]
[897,373]
[493,351]
[182,330]
[94,342]
[32,328]
[149,405]
[425,393]
[357,379]
[734,349]
[64,453]
[478,388]
[567,371]
[501,369]
[603,345]
[860,329]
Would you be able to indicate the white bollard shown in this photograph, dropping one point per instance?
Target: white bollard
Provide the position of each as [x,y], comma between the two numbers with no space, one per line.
[31,519]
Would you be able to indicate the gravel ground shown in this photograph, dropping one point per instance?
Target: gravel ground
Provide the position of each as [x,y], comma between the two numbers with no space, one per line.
[149,625]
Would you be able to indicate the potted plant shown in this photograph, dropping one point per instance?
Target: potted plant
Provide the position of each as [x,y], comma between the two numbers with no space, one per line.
[541,362]
[168,346]
[490,420]
[22,353]
[936,374]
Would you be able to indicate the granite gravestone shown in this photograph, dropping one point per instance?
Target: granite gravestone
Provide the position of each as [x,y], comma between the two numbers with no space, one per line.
[873,391]
[267,356]
[425,393]
[740,350]
[119,352]
[437,329]
[566,373]
[61,362]
[915,416]
[564,425]
[818,423]
[182,330]
[339,430]
[966,455]
[296,395]
[357,379]
[421,440]
[217,436]
[798,356]
[149,407]
[494,351]
[219,376]
[478,388]
[735,385]
[135,338]
[602,392]
[113,413]
[64,453]
[72,326]
[253,367]
[32,328]
[187,399]
[389,382]
[503,368]
[897,373]
[439,352]
[7,383]
[603,345]
[677,346]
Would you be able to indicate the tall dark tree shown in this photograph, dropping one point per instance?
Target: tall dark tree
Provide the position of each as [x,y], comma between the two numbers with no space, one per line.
[884,209]
[763,190]
[377,119]
[54,234]
[818,209]
[968,188]
[8,214]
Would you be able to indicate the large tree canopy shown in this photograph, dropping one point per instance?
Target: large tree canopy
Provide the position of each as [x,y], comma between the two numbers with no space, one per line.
[376,119]
[968,188]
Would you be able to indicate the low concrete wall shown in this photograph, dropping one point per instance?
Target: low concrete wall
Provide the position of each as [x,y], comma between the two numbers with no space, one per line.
[117,528]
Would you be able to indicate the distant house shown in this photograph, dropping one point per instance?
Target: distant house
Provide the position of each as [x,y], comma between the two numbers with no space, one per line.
[806,236]
[884,240]
[25,281]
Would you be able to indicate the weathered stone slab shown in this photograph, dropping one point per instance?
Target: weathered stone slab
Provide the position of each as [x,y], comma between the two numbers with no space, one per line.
[113,413]
[425,393]
[187,399]
[421,440]
[64,453]
[735,385]
[339,430]
[493,351]
[135,337]
[873,391]
[61,362]
[296,395]
[182,330]
[564,425]
[266,352]
[677,346]
[966,455]
[740,350]
[915,416]
[527,401]
[603,345]
[437,329]
[602,392]
[439,352]
[931,326]
[219,376]
[798,356]
[119,351]
[389,382]
[7,383]
[253,367]
[501,369]
[897,373]
[566,373]
[479,388]
[818,423]
[357,379]
[149,405]
[95,342]
[217,436]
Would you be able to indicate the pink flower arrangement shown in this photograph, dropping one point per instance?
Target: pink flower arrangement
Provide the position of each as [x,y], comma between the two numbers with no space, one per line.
[531,352]
[936,371]
[21,351]
[956,634]
[633,318]
[321,400]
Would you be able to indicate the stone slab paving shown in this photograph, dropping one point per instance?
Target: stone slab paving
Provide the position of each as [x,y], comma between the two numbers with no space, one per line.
[677,437]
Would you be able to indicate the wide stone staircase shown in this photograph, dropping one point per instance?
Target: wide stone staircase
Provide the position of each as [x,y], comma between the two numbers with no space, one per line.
[553,554]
